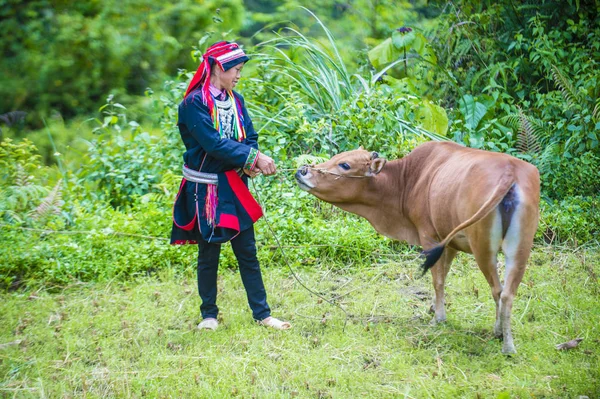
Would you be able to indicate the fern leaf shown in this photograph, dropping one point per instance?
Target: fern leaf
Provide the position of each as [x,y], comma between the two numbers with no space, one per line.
[531,132]
[154,198]
[166,188]
[11,217]
[527,139]
[550,153]
[566,87]
[51,205]
[21,177]
[19,198]
[596,111]
[511,120]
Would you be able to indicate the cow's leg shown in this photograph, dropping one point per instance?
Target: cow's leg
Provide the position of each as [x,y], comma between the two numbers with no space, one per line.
[515,268]
[488,264]
[516,247]
[486,239]
[438,273]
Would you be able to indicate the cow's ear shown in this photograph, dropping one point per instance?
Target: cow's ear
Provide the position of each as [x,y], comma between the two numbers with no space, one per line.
[376,165]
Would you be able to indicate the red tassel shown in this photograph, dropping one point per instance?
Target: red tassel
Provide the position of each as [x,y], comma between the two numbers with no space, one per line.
[210,204]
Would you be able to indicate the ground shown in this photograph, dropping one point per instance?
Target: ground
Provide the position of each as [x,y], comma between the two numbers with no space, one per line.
[138,338]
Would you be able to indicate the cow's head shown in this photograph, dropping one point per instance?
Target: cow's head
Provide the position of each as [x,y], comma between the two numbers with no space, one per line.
[341,178]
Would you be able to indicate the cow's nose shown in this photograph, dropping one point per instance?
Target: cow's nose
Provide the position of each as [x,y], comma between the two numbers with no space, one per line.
[303,170]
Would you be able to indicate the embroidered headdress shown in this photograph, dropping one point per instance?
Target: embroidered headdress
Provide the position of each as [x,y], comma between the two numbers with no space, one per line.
[224,54]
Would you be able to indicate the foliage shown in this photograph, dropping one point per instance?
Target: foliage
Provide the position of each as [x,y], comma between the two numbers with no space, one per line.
[574,131]
[120,190]
[382,121]
[68,55]
[24,198]
[404,45]
[17,158]
[575,221]
[529,130]
[50,206]
[368,20]
[316,69]
[533,70]
[105,243]
[477,126]
[318,107]
[124,160]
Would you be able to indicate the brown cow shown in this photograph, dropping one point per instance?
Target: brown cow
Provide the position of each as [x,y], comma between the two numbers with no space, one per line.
[446,198]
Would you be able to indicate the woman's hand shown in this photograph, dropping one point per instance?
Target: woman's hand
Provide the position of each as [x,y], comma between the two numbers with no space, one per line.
[252,173]
[265,164]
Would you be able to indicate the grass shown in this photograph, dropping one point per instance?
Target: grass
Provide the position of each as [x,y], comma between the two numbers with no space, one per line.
[138,338]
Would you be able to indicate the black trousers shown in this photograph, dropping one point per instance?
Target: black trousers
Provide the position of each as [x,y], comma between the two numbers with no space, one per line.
[244,248]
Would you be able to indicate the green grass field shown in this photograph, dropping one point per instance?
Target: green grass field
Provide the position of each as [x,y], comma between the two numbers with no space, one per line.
[139,339]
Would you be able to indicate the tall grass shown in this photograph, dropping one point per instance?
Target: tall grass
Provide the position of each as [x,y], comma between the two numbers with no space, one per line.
[320,78]
[317,69]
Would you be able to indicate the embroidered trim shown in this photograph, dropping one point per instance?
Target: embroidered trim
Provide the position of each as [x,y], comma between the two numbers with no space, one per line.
[184,242]
[232,55]
[223,119]
[251,160]
[239,118]
[227,118]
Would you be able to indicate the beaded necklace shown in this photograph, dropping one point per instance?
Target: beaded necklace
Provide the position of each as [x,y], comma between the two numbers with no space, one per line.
[227,118]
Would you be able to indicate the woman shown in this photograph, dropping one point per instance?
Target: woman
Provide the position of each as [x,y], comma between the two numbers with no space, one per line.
[214,205]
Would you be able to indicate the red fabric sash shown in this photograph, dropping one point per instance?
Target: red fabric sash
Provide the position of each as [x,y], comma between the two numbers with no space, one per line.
[246,199]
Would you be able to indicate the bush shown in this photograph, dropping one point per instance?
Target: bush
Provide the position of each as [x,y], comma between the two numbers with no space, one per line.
[27,195]
[574,221]
[103,244]
[124,160]
[535,73]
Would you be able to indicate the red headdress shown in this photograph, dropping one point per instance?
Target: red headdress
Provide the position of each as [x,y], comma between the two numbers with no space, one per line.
[226,55]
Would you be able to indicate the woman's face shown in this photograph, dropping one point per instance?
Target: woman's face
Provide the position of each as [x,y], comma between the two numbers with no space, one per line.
[228,79]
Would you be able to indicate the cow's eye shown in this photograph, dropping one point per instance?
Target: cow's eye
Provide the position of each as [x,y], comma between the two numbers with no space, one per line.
[344,166]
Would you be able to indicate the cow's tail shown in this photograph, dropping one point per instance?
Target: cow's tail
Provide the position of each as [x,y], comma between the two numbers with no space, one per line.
[504,185]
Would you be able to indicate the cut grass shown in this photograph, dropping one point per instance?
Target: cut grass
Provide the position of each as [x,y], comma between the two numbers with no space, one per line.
[138,339]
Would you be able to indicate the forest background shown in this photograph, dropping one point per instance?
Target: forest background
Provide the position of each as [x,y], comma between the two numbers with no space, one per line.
[90,153]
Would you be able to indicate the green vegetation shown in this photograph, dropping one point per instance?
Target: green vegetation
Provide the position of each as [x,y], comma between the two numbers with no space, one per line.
[94,301]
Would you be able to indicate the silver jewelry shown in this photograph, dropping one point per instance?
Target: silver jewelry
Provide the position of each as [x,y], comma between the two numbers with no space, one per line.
[226,118]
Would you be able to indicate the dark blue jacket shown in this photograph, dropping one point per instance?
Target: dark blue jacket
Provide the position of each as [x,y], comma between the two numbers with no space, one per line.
[207,151]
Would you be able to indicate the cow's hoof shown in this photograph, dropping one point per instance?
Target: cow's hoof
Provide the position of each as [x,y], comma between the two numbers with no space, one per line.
[437,320]
[498,333]
[509,350]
